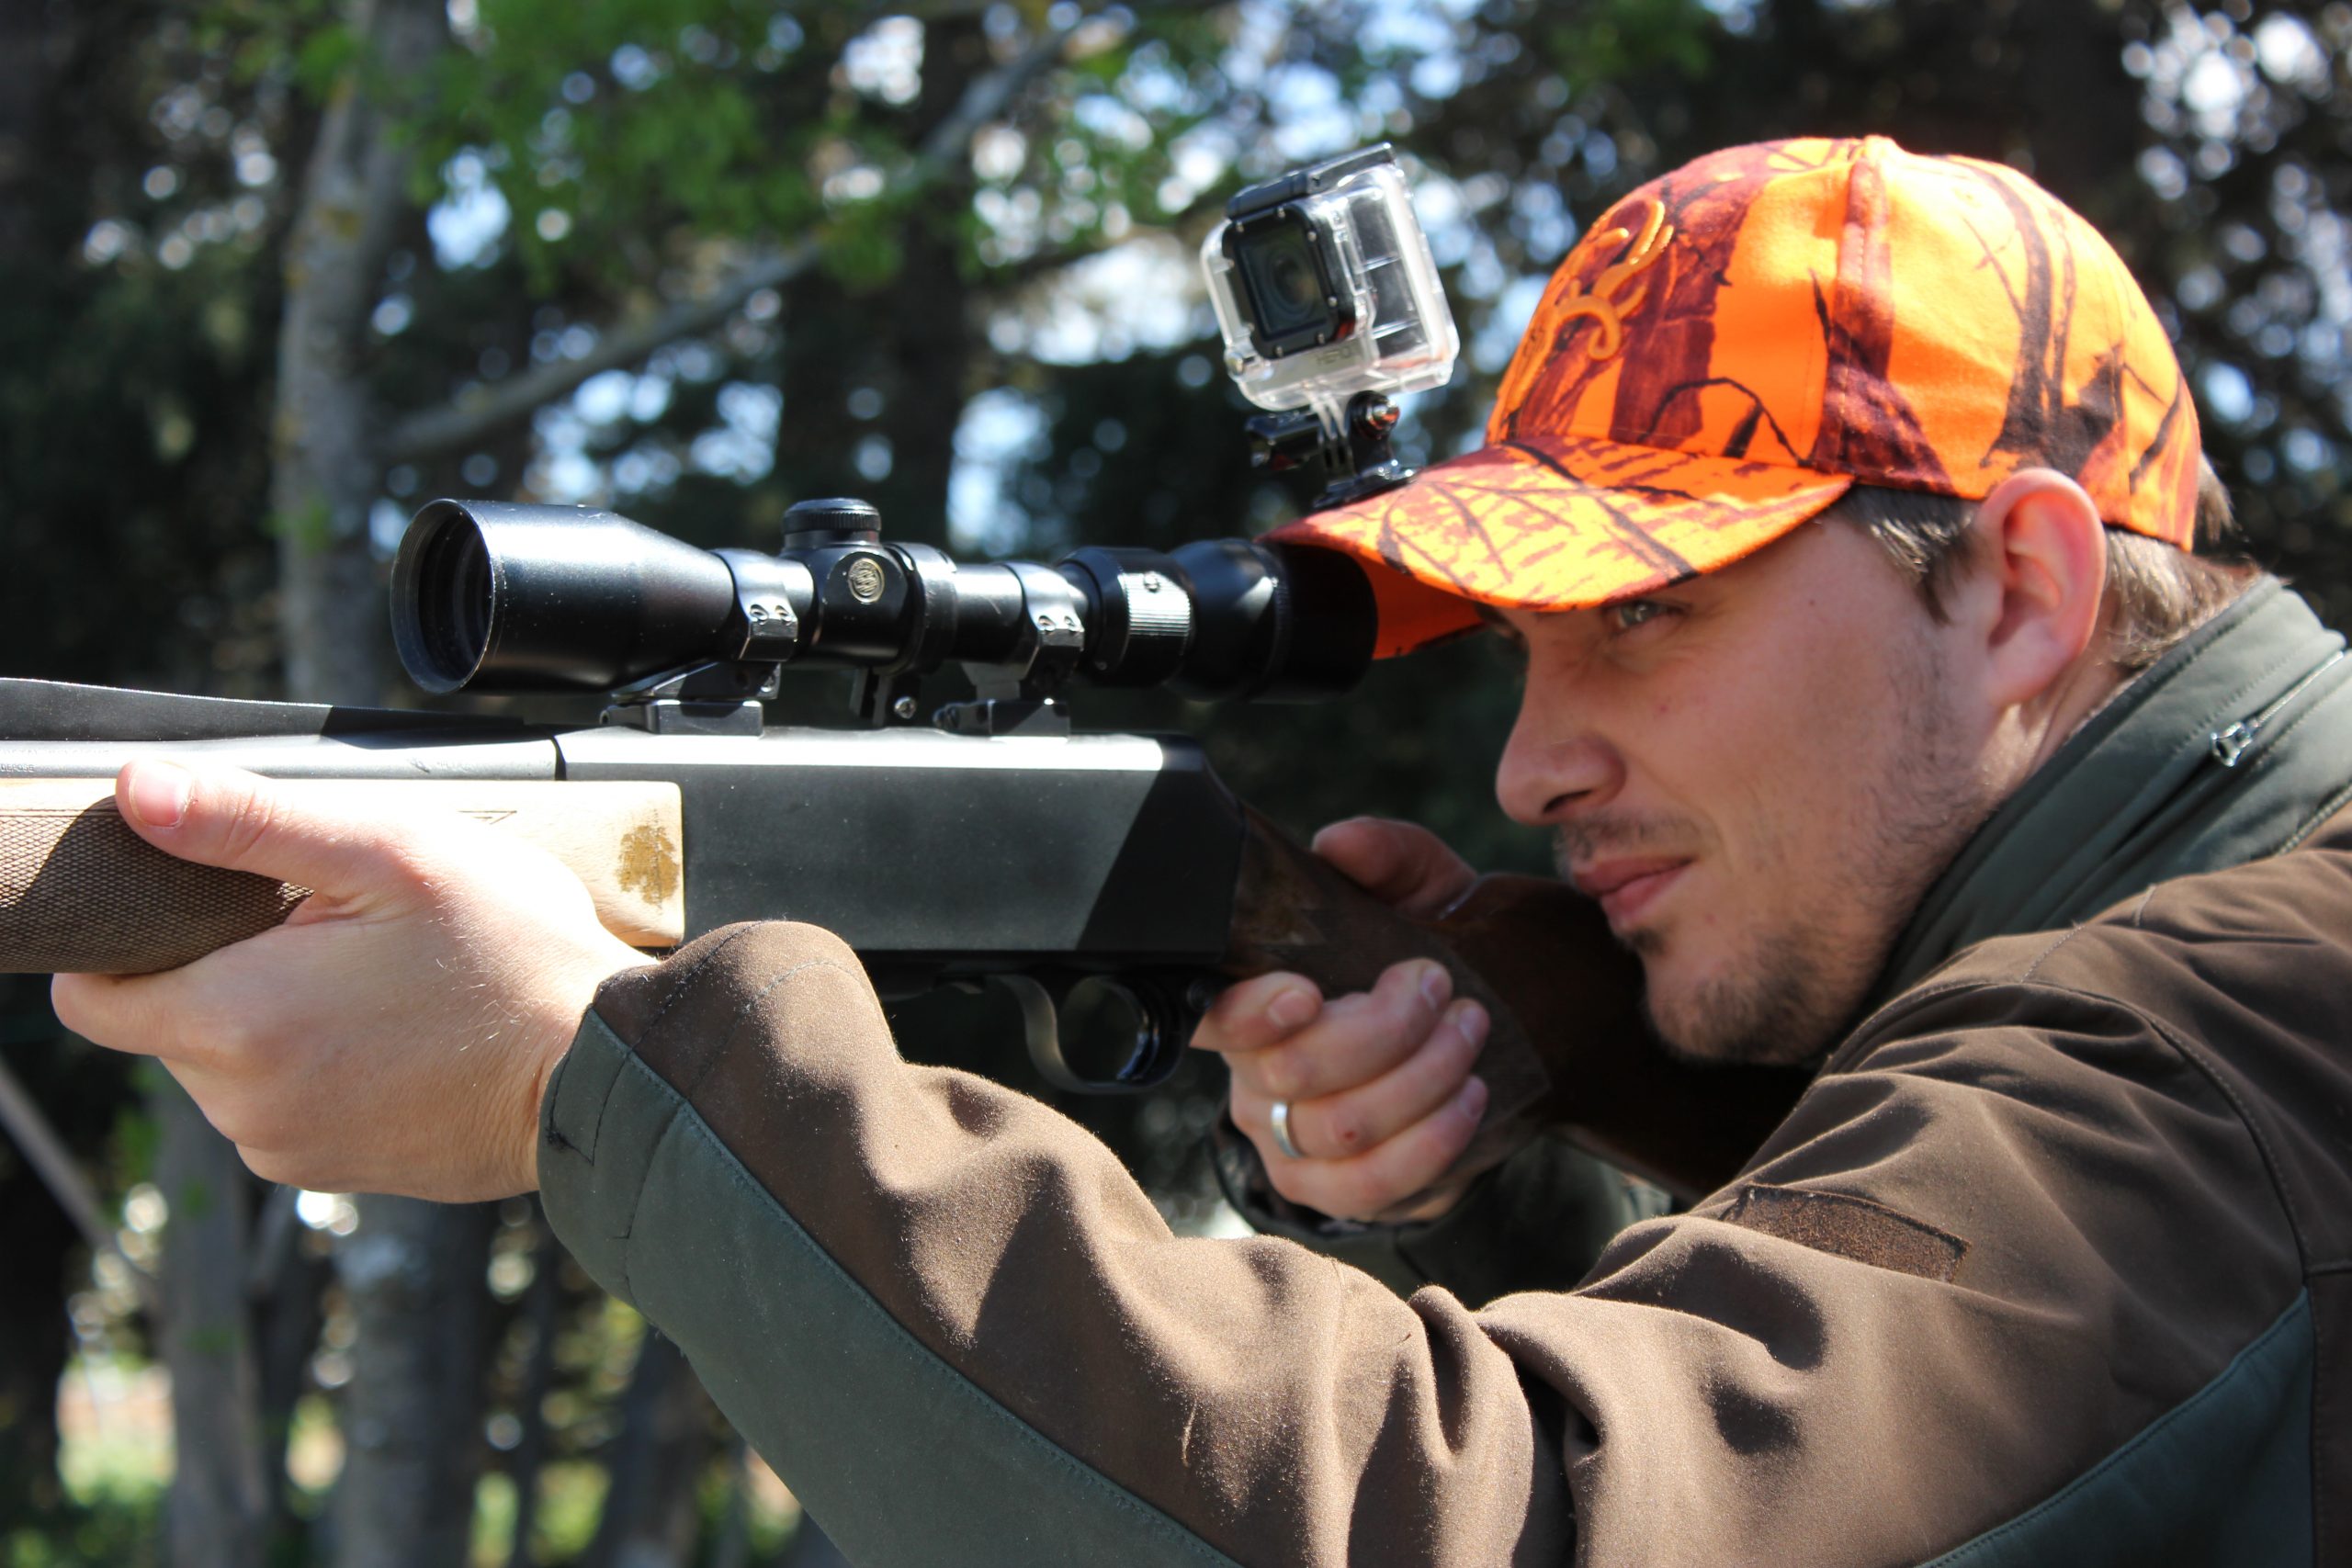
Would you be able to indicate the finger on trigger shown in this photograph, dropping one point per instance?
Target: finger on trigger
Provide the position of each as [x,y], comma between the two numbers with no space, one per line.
[1255,1013]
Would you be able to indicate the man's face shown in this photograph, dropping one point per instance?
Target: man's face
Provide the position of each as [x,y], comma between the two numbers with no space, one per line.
[1758,774]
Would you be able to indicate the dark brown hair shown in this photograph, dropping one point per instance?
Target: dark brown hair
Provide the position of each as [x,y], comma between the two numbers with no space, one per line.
[2160,593]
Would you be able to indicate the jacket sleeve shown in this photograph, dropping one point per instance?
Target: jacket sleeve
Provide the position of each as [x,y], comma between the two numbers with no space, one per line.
[960,1331]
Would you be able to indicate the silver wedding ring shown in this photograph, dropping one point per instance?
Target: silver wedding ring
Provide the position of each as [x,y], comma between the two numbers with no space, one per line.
[1280,1116]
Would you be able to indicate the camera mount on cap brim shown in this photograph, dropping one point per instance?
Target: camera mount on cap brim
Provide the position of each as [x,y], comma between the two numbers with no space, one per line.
[1330,304]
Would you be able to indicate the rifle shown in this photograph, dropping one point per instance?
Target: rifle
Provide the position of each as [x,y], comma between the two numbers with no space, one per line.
[1111,882]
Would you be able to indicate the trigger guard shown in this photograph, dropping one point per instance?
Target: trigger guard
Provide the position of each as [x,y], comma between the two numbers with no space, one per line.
[1158,1045]
[1041,1031]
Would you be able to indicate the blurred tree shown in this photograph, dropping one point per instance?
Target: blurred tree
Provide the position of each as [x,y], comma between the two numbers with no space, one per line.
[223,1491]
[324,474]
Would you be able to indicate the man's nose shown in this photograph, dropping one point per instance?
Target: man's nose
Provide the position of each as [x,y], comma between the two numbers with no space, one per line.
[1554,768]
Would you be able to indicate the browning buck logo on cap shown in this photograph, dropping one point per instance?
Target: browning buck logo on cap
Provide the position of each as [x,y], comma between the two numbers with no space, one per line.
[1606,298]
[1741,340]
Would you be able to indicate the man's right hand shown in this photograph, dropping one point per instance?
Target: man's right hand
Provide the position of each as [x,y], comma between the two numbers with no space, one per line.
[397,1034]
[1382,1098]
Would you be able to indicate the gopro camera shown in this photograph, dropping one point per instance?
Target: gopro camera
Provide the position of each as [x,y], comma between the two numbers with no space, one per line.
[1325,289]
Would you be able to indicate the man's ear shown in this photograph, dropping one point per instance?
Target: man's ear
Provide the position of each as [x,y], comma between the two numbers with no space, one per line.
[2042,571]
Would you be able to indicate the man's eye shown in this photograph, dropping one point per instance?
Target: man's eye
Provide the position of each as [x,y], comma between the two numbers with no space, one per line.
[1632,613]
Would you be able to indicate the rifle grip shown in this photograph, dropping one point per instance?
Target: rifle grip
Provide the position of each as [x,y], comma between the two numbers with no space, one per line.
[81,892]
[1569,1049]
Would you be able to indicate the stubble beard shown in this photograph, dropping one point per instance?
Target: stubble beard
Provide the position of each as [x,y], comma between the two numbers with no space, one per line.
[1798,985]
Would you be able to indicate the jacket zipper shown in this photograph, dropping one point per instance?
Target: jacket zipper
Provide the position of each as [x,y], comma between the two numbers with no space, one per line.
[2229,745]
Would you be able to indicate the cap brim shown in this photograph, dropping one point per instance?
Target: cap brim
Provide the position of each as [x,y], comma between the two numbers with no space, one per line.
[1556,522]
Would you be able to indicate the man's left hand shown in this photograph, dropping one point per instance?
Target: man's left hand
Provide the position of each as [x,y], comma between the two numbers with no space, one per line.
[1380,1098]
[397,1032]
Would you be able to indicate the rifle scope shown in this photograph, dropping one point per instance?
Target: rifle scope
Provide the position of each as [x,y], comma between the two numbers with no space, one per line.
[509,597]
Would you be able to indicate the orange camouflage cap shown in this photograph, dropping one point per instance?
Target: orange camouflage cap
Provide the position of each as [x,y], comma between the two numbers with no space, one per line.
[1735,343]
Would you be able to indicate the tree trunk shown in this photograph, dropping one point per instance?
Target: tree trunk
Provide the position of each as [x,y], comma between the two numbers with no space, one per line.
[34,1337]
[650,1514]
[285,1289]
[41,1239]
[910,343]
[413,1272]
[324,474]
[219,1513]
[24,99]
[37,1238]
[539,1309]
[2083,121]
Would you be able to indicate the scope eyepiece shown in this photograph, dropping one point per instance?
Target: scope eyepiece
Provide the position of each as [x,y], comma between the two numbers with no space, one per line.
[504,596]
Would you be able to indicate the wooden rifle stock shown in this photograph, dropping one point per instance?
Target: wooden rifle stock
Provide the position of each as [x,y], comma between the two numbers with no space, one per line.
[81,892]
[1569,1049]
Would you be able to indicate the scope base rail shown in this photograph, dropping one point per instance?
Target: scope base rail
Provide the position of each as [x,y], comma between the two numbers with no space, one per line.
[713,698]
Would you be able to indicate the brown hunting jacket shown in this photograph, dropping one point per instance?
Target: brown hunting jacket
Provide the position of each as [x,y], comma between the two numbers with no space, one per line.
[2051,1264]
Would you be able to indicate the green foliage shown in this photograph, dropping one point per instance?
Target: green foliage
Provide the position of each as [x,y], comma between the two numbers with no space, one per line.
[190,1202]
[863,250]
[135,1133]
[310,527]
[114,1530]
[1593,46]
[494,1513]
[636,120]
[623,133]
[320,60]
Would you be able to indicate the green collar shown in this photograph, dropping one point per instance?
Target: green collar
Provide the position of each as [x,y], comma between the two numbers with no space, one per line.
[2230,747]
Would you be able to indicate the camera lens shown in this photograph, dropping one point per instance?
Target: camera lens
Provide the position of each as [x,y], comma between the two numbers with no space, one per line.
[1292,280]
[1288,286]
[1284,284]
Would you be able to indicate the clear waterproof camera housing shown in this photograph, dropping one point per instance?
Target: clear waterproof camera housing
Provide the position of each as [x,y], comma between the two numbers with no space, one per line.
[1325,288]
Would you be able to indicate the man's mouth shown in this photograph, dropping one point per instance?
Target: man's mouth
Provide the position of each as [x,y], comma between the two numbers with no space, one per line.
[1627,887]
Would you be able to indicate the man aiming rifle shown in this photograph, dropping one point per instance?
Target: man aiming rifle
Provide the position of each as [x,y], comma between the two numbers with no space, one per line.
[1842,503]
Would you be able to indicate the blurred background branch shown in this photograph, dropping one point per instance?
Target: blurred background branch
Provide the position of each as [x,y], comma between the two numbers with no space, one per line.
[435,431]
[45,1151]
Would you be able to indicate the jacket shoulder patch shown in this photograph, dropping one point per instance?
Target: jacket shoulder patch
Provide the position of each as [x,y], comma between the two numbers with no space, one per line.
[1848,1227]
